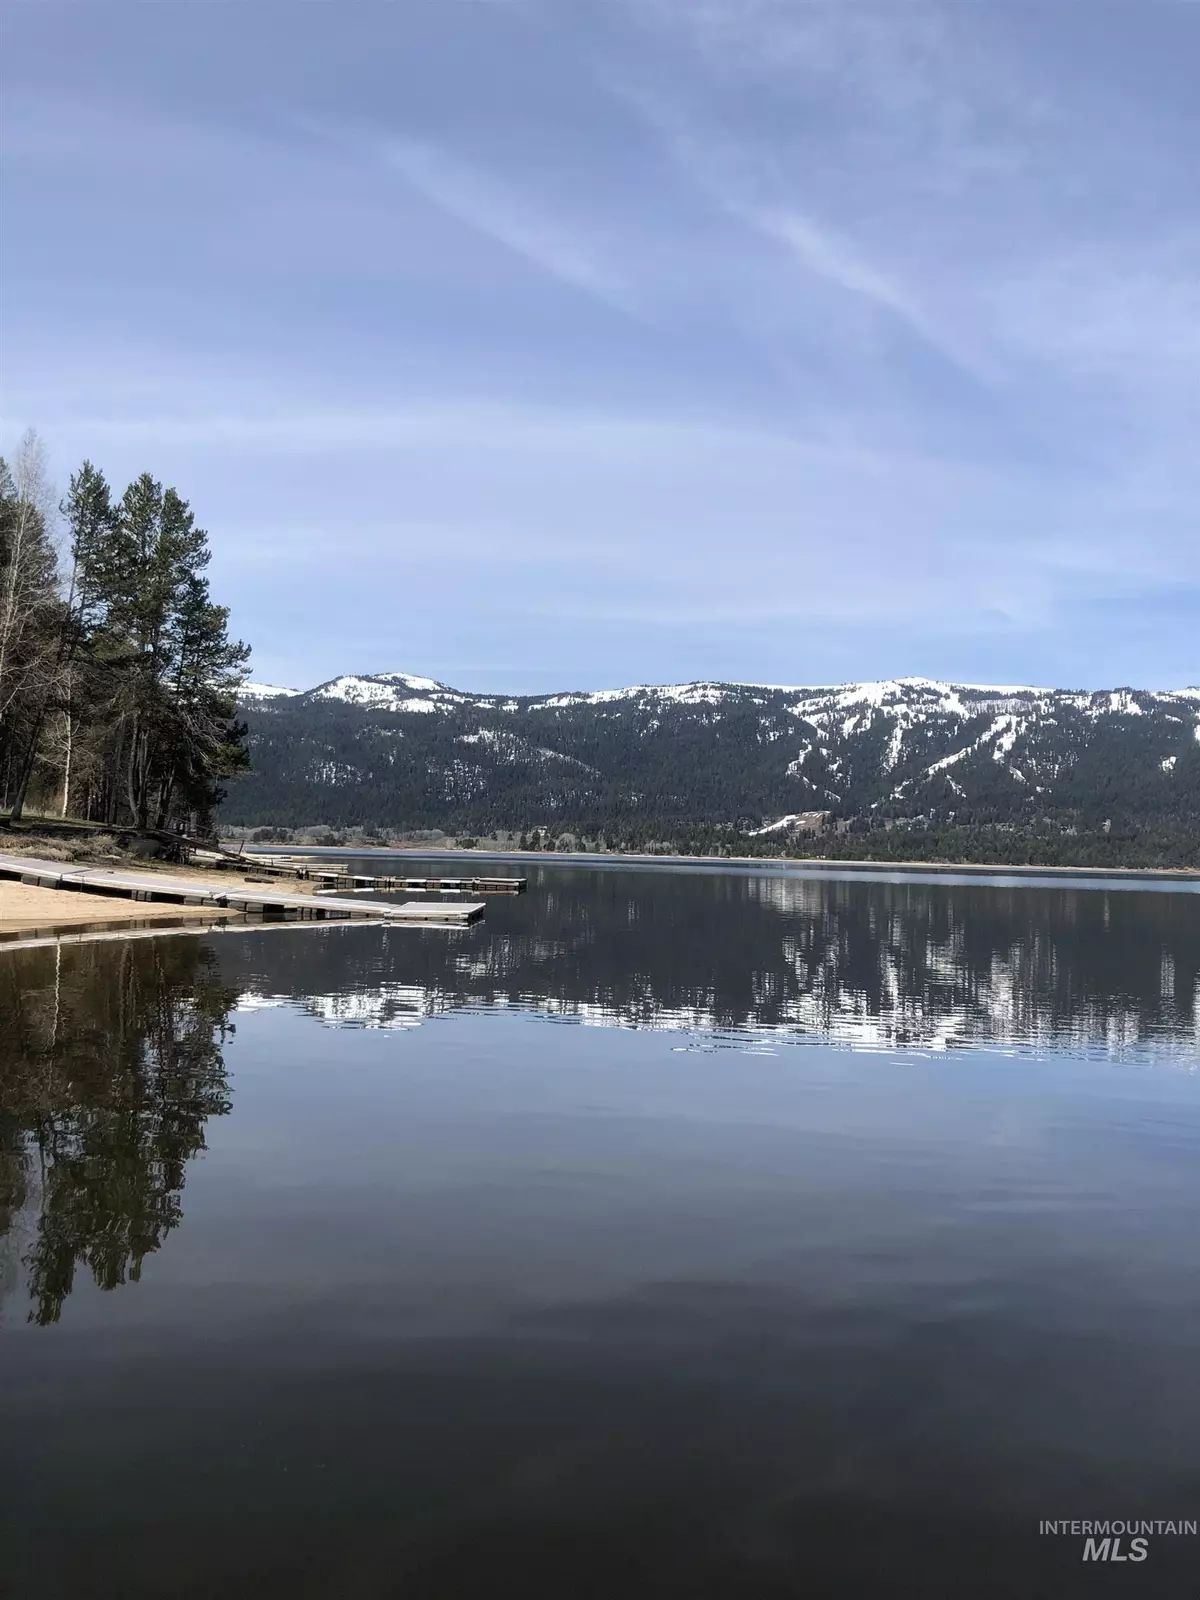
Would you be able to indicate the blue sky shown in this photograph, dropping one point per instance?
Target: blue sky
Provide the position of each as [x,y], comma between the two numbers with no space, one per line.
[547,343]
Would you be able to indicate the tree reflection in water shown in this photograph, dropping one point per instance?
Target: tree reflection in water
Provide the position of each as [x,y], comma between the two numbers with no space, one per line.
[112,1065]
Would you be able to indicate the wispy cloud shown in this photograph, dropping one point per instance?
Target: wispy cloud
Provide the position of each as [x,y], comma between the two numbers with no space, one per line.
[495,209]
[828,255]
[748,180]
[941,172]
[906,343]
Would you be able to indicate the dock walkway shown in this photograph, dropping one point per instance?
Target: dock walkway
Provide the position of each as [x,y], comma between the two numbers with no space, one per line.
[338,875]
[272,903]
[337,878]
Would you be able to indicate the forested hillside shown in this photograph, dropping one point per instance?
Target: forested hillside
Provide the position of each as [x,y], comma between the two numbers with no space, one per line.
[917,764]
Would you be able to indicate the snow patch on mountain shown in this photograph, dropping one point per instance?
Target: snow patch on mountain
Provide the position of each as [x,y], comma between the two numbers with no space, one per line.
[508,747]
[1003,730]
[389,691]
[895,745]
[557,755]
[686,694]
[1121,702]
[265,691]
[334,772]
[774,827]
[810,821]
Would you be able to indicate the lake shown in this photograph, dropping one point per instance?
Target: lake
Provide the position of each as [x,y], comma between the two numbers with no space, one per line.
[672,1232]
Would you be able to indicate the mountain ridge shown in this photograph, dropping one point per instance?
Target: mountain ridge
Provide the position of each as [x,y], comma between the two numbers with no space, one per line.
[661,761]
[344,686]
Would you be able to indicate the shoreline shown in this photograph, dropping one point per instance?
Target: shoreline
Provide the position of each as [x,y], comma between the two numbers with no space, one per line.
[814,864]
[37,893]
[29,907]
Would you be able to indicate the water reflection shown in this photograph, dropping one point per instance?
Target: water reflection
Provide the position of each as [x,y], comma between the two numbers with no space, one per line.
[112,1066]
[751,959]
[506,1304]
[114,1052]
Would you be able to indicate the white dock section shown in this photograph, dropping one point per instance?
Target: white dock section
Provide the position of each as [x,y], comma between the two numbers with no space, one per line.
[343,878]
[270,902]
[338,875]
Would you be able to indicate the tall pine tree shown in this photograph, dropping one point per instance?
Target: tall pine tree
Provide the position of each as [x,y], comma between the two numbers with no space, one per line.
[176,670]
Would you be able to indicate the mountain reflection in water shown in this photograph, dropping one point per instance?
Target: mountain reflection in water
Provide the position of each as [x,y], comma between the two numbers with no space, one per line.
[735,958]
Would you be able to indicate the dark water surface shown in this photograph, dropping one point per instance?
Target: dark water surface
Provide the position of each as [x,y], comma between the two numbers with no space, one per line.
[670,1233]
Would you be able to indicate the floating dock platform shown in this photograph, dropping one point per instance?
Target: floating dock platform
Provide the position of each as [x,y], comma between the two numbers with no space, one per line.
[251,902]
[339,878]
[337,875]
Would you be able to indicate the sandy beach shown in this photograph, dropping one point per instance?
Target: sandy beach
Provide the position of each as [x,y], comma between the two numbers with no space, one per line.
[24,905]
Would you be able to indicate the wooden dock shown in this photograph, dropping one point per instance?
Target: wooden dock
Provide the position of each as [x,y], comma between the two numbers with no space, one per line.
[340,878]
[250,902]
[336,875]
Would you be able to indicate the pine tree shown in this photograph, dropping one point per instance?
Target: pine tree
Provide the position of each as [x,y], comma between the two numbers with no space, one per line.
[175,669]
[90,521]
[29,612]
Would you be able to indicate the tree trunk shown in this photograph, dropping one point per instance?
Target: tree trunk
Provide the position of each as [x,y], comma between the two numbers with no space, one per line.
[68,745]
[114,786]
[25,772]
[166,794]
[132,792]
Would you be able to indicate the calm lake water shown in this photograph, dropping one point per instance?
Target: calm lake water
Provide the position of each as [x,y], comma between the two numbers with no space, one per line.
[672,1233]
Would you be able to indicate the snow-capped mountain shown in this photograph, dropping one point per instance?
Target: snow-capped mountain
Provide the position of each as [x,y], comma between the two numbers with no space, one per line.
[403,749]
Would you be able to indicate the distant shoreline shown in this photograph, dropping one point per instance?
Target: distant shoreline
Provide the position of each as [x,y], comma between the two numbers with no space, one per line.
[763,863]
